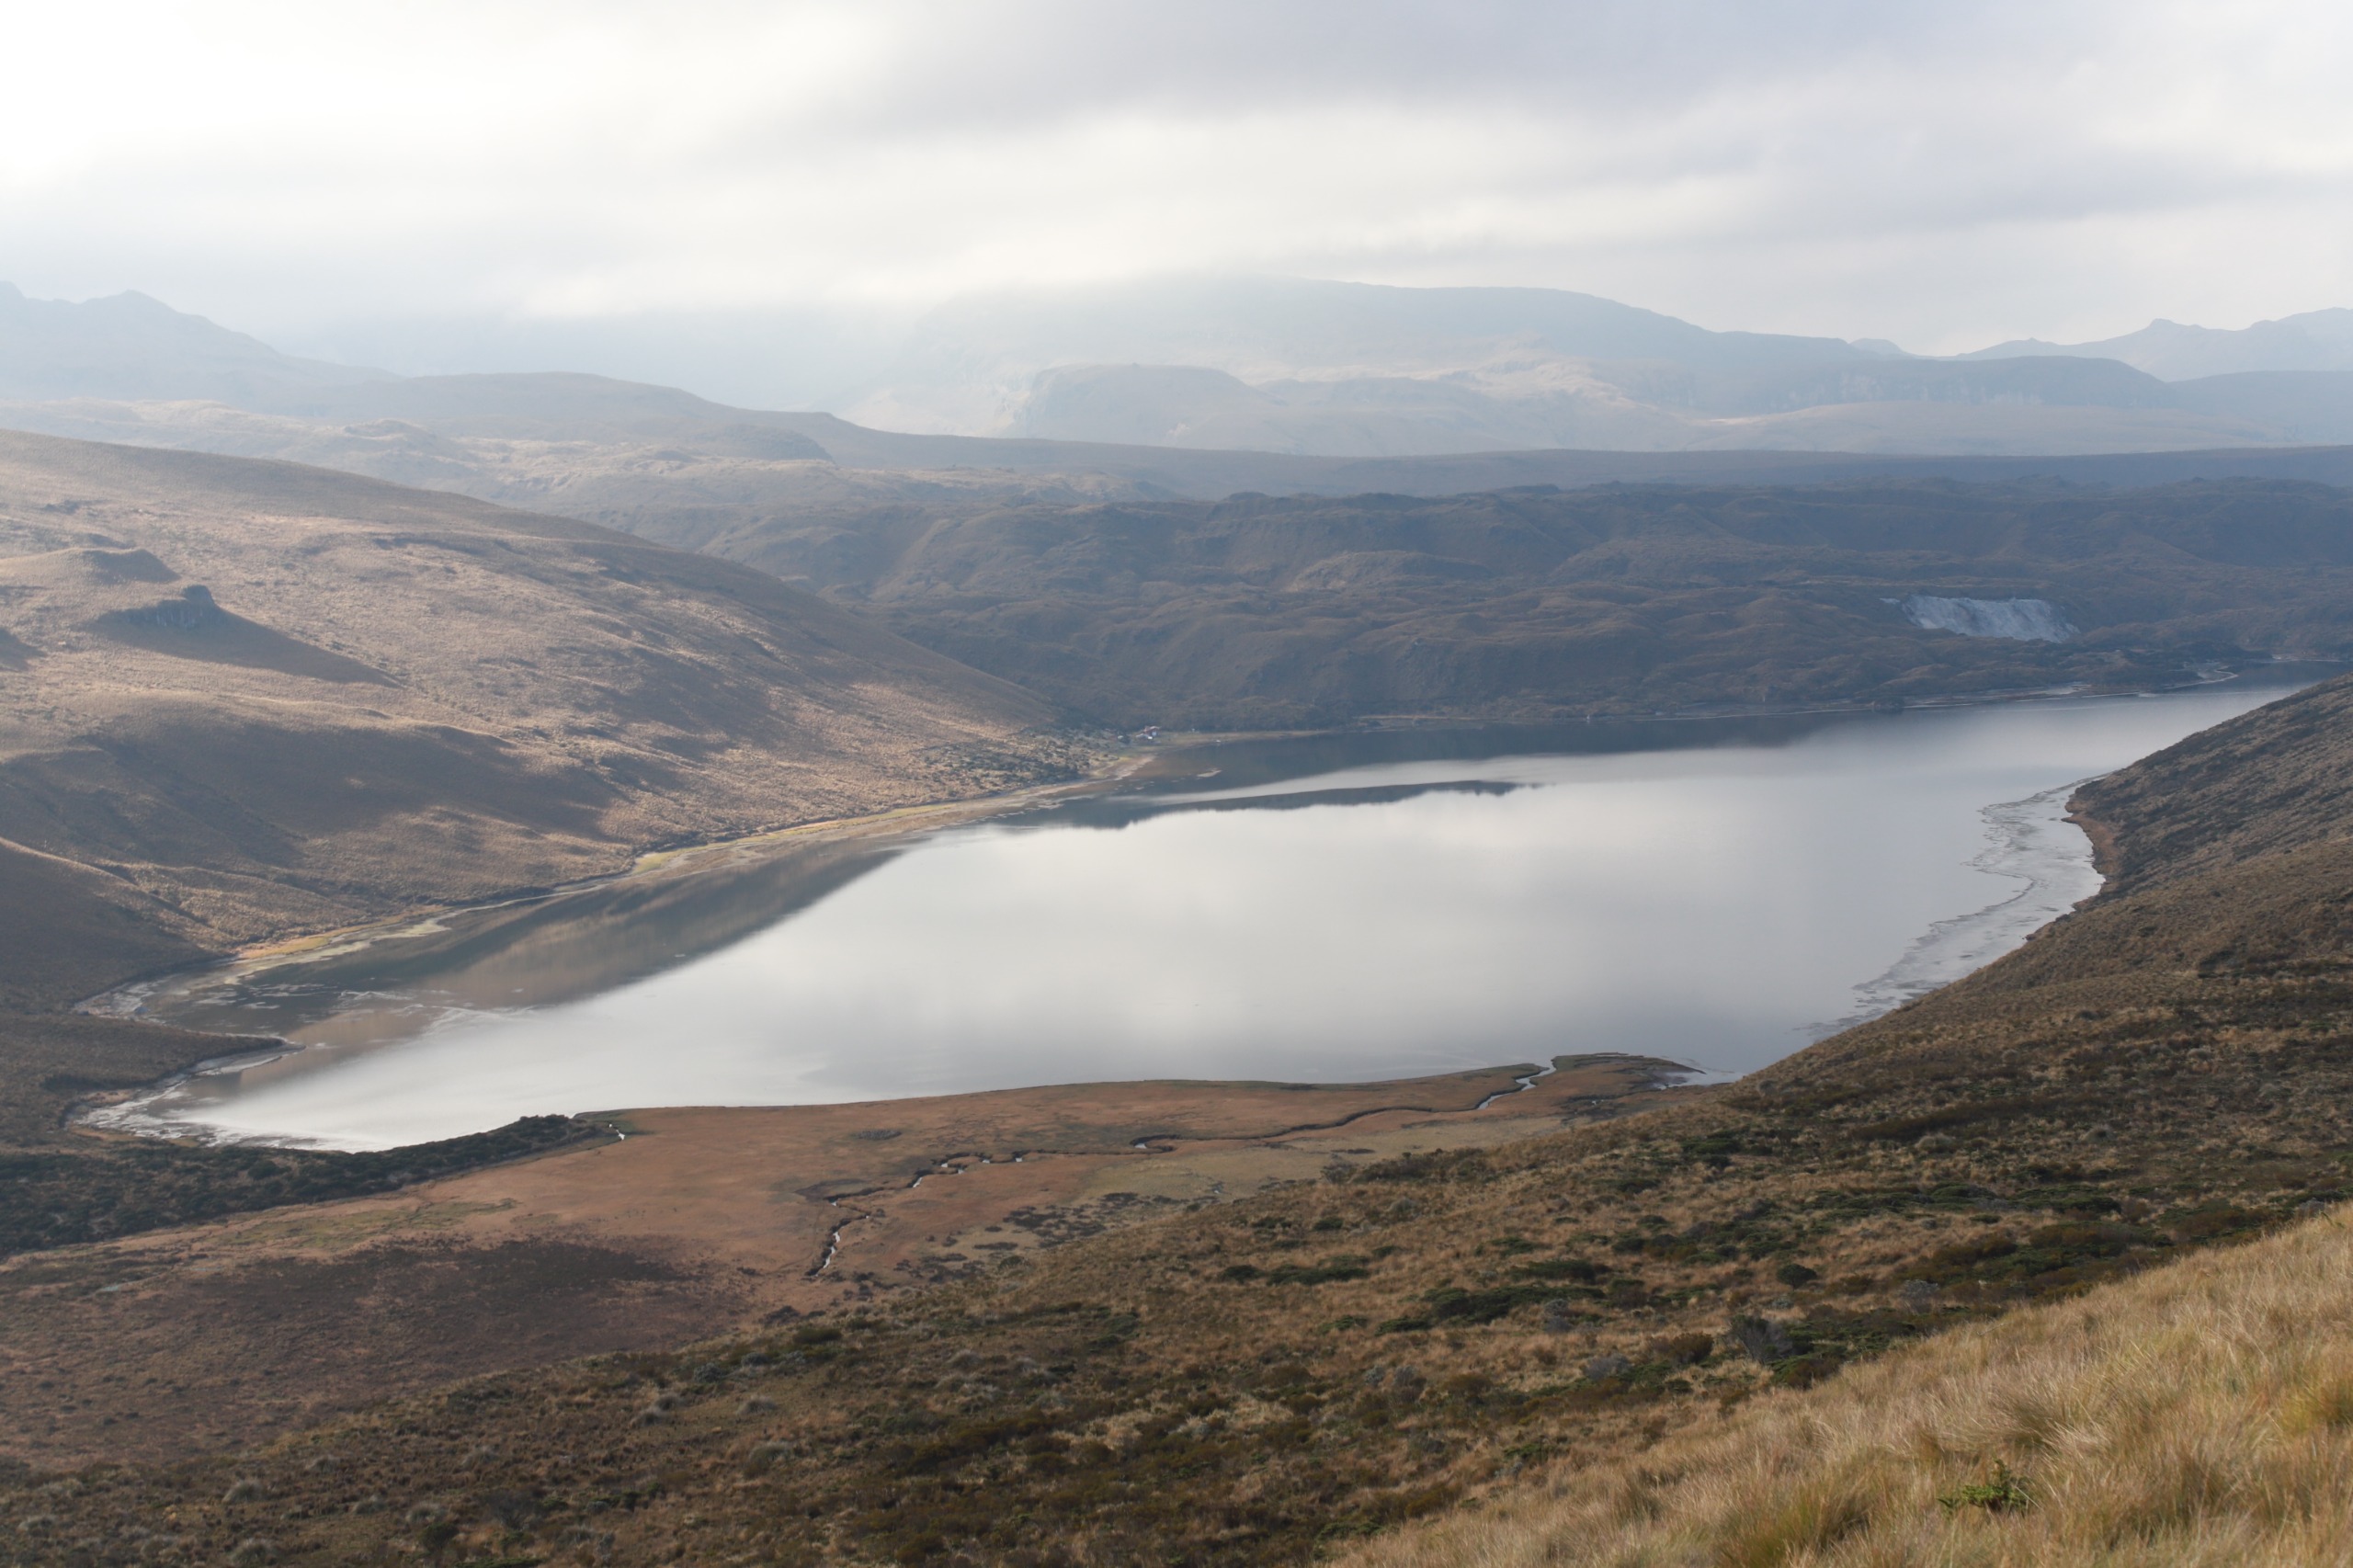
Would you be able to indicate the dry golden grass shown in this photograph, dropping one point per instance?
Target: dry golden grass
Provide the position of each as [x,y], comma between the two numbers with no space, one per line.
[2196,1416]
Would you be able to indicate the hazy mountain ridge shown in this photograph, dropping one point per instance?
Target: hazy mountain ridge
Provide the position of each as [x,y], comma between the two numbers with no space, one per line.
[1306,367]
[2315,340]
[568,435]
[128,346]
[2052,407]
[1283,366]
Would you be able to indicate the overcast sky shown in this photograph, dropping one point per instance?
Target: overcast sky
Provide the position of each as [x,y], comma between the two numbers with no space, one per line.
[1945,174]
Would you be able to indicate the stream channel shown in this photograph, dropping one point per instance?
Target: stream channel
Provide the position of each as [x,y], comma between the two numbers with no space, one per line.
[1336,908]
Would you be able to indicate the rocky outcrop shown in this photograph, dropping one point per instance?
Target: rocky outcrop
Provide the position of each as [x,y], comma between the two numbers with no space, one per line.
[192,611]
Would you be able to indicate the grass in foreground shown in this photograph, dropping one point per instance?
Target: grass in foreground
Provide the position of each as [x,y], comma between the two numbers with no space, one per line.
[2198,1414]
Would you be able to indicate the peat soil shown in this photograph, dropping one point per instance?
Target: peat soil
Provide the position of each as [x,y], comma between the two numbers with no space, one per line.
[639,1231]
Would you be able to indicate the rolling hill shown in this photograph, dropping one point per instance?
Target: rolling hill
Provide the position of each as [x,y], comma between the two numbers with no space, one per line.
[243,698]
[512,437]
[1080,578]
[240,700]
[1259,612]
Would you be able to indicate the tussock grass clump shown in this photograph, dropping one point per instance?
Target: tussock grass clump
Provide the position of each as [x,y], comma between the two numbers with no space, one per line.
[2193,1416]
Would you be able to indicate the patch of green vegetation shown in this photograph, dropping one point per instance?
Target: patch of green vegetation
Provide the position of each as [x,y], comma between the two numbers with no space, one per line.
[1714,1151]
[2006,1494]
[1326,1272]
[2216,1221]
[1452,1303]
[1574,1268]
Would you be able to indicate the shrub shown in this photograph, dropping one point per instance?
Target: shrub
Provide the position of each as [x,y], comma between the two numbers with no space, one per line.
[1330,1268]
[1760,1339]
[764,1456]
[1452,1304]
[2006,1494]
[1681,1349]
[1574,1268]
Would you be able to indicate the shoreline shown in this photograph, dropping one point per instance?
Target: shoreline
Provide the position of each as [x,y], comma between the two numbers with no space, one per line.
[722,1219]
[877,831]
[911,821]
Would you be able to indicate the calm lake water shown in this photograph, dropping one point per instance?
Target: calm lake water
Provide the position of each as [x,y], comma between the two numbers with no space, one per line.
[1344,909]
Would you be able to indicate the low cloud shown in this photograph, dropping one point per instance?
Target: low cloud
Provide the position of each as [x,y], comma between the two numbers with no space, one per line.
[1944,175]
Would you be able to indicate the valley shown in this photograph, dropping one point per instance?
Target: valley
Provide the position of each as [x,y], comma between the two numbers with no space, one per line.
[1268,1378]
[1124,786]
[255,703]
[1076,578]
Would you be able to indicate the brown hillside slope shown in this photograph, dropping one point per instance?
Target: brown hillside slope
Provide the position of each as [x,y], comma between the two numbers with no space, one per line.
[1093,587]
[1256,1381]
[2275,779]
[255,697]
[2203,1415]
[240,698]
[1259,611]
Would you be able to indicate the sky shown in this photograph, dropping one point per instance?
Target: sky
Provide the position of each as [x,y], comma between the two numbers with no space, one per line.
[1942,174]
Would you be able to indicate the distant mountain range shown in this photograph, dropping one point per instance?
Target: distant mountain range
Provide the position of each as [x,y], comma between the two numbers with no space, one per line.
[1356,369]
[131,348]
[1312,368]
[2316,340]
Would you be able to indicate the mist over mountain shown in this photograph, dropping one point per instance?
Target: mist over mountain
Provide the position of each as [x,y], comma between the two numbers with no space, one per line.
[129,347]
[1301,366]
[1235,365]
[772,357]
[2316,340]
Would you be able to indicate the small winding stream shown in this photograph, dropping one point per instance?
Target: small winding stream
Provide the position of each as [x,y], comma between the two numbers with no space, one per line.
[1335,909]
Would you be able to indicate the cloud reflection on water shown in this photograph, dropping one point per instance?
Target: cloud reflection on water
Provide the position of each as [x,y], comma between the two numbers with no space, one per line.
[1701,903]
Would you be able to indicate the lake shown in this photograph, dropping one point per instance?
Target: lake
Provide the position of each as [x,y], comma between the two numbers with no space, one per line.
[1335,909]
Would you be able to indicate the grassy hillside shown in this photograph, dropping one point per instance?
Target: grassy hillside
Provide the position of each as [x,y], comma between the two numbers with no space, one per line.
[239,700]
[1268,1380]
[1072,569]
[2201,1414]
[1274,612]
[242,697]
[1259,611]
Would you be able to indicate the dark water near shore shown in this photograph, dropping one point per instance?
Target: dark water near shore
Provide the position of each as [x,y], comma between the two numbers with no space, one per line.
[1335,909]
